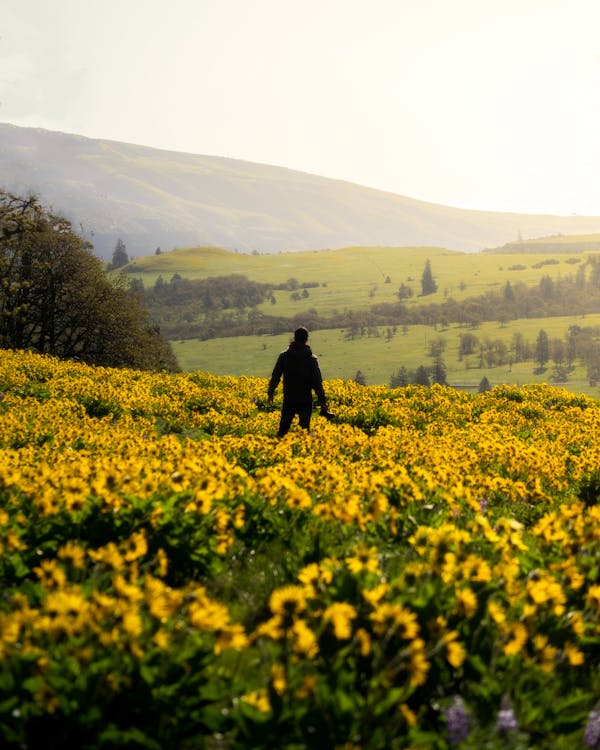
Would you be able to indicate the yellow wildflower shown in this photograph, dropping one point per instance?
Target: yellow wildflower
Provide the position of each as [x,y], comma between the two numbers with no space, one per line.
[496,612]
[305,639]
[364,558]
[278,679]
[73,553]
[574,656]
[135,547]
[593,596]
[231,637]
[518,638]
[162,639]
[259,700]
[467,601]
[419,666]
[340,615]
[455,654]
[375,594]
[307,688]
[288,602]
[50,574]
[389,616]
[364,641]
[409,715]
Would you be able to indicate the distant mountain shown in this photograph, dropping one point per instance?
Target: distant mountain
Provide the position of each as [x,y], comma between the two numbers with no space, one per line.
[152,198]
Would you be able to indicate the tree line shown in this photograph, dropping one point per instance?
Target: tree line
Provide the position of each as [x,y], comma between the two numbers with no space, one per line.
[228,306]
[56,297]
[580,343]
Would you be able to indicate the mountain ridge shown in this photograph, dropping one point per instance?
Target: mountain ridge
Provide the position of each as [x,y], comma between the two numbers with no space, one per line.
[158,198]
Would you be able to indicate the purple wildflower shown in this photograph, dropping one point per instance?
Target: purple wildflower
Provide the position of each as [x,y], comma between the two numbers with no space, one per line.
[591,736]
[457,721]
[506,721]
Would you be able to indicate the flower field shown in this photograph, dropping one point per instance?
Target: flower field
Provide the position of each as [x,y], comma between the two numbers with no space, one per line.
[423,572]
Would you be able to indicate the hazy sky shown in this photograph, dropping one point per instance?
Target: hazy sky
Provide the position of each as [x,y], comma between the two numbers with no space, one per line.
[491,104]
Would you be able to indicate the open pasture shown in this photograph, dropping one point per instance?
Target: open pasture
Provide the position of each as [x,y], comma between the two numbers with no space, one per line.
[355,278]
[420,573]
[378,358]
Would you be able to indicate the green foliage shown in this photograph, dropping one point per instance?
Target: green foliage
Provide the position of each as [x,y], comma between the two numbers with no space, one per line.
[55,297]
[429,559]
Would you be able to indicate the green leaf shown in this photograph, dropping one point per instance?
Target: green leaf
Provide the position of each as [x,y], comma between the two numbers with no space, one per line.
[115,737]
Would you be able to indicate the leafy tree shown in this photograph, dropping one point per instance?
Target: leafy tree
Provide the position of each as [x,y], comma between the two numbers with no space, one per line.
[120,257]
[56,298]
[437,347]
[360,378]
[468,342]
[404,292]
[428,284]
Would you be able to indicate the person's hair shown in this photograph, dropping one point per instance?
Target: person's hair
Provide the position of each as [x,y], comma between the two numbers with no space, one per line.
[301,335]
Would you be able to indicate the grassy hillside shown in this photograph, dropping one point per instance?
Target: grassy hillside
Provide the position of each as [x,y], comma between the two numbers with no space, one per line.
[150,197]
[556,244]
[356,277]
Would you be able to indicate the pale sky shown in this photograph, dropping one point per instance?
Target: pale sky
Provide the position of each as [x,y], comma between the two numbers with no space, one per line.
[487,104]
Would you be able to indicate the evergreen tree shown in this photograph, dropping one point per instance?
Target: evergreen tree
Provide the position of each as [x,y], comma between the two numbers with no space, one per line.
[401,379]
[120,257]
[438,372]
[421,376]
[542,348]
[428,284]
[484,385]
[360,378]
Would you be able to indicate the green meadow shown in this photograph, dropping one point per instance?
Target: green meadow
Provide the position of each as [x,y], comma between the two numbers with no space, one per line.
[358,277]
[354,278]
[377,358]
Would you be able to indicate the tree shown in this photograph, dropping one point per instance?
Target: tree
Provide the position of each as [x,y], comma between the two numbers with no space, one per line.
[401,379]
[360,378]
[421,376]
[428,284]
[438,372]
[468,342]
[542,348]
[56,298]
[404,292]
[120,257]
[508,292]
[484,385]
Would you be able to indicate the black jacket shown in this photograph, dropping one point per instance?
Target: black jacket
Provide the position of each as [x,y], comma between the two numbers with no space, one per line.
[301,376]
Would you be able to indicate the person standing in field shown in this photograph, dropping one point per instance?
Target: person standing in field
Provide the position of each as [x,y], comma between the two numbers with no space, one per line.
[301,376]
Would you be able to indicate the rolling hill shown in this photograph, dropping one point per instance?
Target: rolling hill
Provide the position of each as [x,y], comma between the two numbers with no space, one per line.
[153,198]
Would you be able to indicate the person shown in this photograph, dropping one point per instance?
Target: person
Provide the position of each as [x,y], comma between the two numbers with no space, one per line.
[301,376]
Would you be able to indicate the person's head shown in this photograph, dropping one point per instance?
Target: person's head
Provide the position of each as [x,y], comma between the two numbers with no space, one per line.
[301,335]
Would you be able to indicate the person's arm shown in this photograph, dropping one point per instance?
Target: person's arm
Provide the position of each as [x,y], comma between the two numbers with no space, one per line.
[318,384]
[275,377]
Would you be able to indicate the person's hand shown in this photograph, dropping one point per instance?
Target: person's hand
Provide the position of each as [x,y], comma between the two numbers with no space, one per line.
[270,399]
[326,413]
